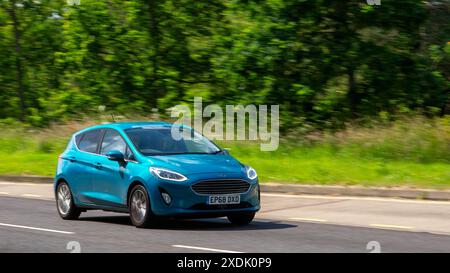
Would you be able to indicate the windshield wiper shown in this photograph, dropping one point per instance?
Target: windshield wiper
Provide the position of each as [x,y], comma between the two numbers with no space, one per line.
[216,152]
[183,153]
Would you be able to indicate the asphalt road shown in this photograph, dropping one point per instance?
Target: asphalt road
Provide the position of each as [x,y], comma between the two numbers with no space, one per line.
[29,223]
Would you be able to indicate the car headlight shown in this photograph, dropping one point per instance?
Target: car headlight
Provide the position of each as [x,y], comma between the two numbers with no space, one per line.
[167,175]
[251,173]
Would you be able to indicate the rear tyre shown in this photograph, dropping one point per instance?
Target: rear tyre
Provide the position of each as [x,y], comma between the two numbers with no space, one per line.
[139,205]
[65,204]
[241,219]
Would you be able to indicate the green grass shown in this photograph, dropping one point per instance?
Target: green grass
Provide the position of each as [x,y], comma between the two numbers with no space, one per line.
[413,153]
[325,166]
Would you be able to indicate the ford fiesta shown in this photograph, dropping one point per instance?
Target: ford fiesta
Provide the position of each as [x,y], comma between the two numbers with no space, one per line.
[153,170]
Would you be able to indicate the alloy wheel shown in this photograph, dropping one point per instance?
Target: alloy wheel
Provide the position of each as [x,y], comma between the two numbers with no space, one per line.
[64,199]
[138,205]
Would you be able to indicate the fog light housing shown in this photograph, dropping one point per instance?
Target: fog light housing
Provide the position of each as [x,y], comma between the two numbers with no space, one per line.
[166,197]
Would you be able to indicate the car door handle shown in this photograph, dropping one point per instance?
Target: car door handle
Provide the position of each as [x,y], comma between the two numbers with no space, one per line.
[72,159]
[98,165]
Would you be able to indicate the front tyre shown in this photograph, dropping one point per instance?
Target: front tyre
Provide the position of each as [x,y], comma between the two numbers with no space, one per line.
[139,205]
[241,219]
[65,204]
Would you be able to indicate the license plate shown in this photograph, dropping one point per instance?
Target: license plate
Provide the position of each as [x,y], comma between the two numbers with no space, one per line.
[224,199]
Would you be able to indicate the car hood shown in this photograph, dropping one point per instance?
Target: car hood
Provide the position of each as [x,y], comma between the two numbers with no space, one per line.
[197,163]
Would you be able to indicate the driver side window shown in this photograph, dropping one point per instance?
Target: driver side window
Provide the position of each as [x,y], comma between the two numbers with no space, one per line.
[129,154]
[113,141]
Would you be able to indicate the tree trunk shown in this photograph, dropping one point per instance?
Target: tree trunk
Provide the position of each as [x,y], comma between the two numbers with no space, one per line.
[19,67]
[154,33]
[353,97]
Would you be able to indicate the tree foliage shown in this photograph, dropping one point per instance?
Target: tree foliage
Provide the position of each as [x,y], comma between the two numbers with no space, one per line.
[324,62]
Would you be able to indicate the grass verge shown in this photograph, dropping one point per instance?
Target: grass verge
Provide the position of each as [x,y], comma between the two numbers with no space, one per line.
[413,153]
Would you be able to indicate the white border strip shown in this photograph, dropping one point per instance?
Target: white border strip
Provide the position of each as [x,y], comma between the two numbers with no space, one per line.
[363,198]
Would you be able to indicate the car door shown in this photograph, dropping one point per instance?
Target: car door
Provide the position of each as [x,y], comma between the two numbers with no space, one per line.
[110,179]
[82,164]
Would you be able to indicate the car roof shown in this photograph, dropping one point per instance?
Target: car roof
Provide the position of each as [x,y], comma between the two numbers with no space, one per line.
[126,125]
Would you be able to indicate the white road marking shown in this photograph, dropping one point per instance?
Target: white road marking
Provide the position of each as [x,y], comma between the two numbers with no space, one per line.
[390,226]
[206,249]
[308,219]
[28,196]
[31,195]
[381,199]
[35,228]
[25,183]
[371,225]
[379,226]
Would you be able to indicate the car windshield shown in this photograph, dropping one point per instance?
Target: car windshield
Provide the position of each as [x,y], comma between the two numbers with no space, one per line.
[154,140]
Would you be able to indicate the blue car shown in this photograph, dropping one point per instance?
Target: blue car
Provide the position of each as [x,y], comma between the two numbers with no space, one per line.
[153,170]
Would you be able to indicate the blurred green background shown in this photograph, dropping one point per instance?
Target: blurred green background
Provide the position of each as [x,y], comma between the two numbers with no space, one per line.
[363,90]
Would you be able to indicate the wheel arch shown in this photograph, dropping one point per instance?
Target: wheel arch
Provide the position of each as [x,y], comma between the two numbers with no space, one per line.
[131,186]
[59,181]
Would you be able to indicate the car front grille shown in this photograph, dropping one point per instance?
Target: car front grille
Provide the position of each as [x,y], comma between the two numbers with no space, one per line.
[221,187]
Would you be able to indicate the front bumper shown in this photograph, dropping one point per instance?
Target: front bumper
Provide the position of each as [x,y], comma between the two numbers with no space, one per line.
[189,204]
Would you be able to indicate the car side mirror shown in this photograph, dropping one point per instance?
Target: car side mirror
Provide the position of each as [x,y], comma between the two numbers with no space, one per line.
[115,156]
[225,152]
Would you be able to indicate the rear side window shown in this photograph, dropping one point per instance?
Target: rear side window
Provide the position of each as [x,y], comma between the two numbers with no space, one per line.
[88,141]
